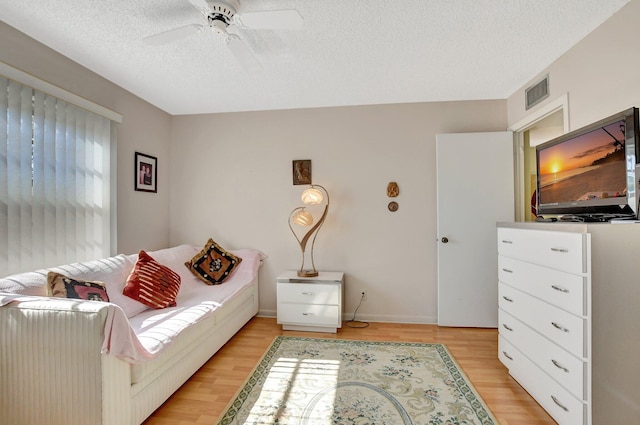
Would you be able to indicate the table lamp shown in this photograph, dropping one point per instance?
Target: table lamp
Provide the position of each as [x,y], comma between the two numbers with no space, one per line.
[301,216]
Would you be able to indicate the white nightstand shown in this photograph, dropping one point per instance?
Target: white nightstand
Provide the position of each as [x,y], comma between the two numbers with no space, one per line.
[310,303]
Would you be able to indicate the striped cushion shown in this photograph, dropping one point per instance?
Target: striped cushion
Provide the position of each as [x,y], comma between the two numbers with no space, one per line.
[151,283]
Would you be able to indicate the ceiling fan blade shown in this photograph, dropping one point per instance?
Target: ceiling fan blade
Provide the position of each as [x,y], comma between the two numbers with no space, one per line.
[288,19]
[200,4]
[243,54]
[172,35]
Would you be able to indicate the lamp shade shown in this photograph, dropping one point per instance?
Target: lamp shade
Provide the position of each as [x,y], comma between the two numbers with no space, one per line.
[302,217]
[312,196]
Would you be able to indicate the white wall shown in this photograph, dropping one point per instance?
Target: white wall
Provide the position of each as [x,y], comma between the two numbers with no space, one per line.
[210,167]
[601,74]
[229,175]
[143,218]
[232,180]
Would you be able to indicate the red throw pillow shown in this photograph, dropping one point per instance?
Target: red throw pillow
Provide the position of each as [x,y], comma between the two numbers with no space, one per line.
[151,283]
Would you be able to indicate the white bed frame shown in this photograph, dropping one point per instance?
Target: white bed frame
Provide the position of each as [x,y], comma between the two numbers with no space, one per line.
[52,371]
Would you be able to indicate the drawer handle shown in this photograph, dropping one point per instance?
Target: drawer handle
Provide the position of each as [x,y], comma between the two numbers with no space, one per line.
[507,355]
[507,298]
[557,326]
[560,289]
[563,250]
[307,293]
[507,270]
[555,400]
[559,366]
[308,314]
[507,241]
[507,327]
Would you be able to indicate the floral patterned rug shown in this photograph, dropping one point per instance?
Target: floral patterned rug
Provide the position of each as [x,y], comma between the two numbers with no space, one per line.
[310,381]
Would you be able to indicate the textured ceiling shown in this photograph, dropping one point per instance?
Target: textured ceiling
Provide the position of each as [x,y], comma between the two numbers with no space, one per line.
[350,52]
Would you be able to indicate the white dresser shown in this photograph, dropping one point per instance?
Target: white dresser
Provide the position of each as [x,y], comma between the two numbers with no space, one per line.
[564,291]
[310,303]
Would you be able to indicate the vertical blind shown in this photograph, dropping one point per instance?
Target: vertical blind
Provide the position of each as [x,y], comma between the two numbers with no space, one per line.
[54,181]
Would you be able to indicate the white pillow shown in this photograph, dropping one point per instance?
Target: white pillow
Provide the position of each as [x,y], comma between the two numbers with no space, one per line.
[113,271]
[29,283]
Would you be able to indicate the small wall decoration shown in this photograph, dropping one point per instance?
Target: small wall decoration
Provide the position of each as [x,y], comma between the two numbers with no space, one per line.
[146,172]
[301,171]
[393,190]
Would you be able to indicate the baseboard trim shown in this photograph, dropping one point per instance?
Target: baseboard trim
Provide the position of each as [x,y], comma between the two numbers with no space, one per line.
[382,318]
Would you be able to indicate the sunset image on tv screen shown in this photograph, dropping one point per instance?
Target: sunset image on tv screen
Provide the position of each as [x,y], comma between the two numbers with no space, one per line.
[591,166]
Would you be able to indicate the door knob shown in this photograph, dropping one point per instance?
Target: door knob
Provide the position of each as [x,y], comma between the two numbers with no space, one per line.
[444,239]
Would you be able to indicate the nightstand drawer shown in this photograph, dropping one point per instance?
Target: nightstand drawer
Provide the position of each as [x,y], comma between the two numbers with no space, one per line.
[558,250]
[562,289]
[305,314]
[310,303]
[308,293]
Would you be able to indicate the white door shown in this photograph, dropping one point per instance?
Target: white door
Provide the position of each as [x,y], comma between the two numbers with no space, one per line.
[475,190]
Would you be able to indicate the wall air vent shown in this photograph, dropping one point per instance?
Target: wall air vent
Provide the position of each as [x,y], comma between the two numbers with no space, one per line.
[537,92]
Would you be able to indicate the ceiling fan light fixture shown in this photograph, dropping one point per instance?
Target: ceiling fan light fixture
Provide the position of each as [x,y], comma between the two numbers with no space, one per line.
[220,15]
[225,8]
[219,26]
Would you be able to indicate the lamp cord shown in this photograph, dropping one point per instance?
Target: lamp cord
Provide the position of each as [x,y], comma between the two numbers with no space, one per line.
[353,323]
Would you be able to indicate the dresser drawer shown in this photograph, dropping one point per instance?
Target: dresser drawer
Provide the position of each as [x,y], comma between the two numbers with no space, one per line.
[562,289]
[558,402]
[558,250]
[307,314]
[308,293]
[566,369]
[563,328]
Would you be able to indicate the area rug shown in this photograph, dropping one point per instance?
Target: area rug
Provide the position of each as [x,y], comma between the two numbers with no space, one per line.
[312,381]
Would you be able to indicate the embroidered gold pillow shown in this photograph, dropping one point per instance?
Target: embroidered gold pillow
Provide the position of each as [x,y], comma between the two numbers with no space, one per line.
[61,286]
[213,265]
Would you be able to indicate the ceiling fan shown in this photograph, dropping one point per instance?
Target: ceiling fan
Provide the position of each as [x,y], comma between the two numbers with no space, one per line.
[220,15]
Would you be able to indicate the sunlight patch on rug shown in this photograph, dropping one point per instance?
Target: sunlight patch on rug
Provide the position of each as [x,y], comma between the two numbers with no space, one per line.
[312,381]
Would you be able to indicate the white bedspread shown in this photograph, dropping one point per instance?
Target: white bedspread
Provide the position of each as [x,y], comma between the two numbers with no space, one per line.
[143,336]
[156,329]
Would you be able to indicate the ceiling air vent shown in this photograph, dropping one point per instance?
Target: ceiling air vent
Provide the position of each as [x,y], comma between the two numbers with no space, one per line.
[537,92]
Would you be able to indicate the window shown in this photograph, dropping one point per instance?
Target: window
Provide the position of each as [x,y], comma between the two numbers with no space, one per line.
[54,180]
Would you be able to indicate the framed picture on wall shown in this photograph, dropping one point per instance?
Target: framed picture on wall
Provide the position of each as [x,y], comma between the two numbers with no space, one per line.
[146,172]
[302,171]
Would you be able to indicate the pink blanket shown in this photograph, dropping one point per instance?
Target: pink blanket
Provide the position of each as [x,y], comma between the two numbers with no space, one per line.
[144,335]
[156,329]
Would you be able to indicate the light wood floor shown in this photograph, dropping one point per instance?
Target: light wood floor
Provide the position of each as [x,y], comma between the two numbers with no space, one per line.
[203,398]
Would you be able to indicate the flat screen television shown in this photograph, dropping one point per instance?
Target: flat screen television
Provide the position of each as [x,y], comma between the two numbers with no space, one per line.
[590,173]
